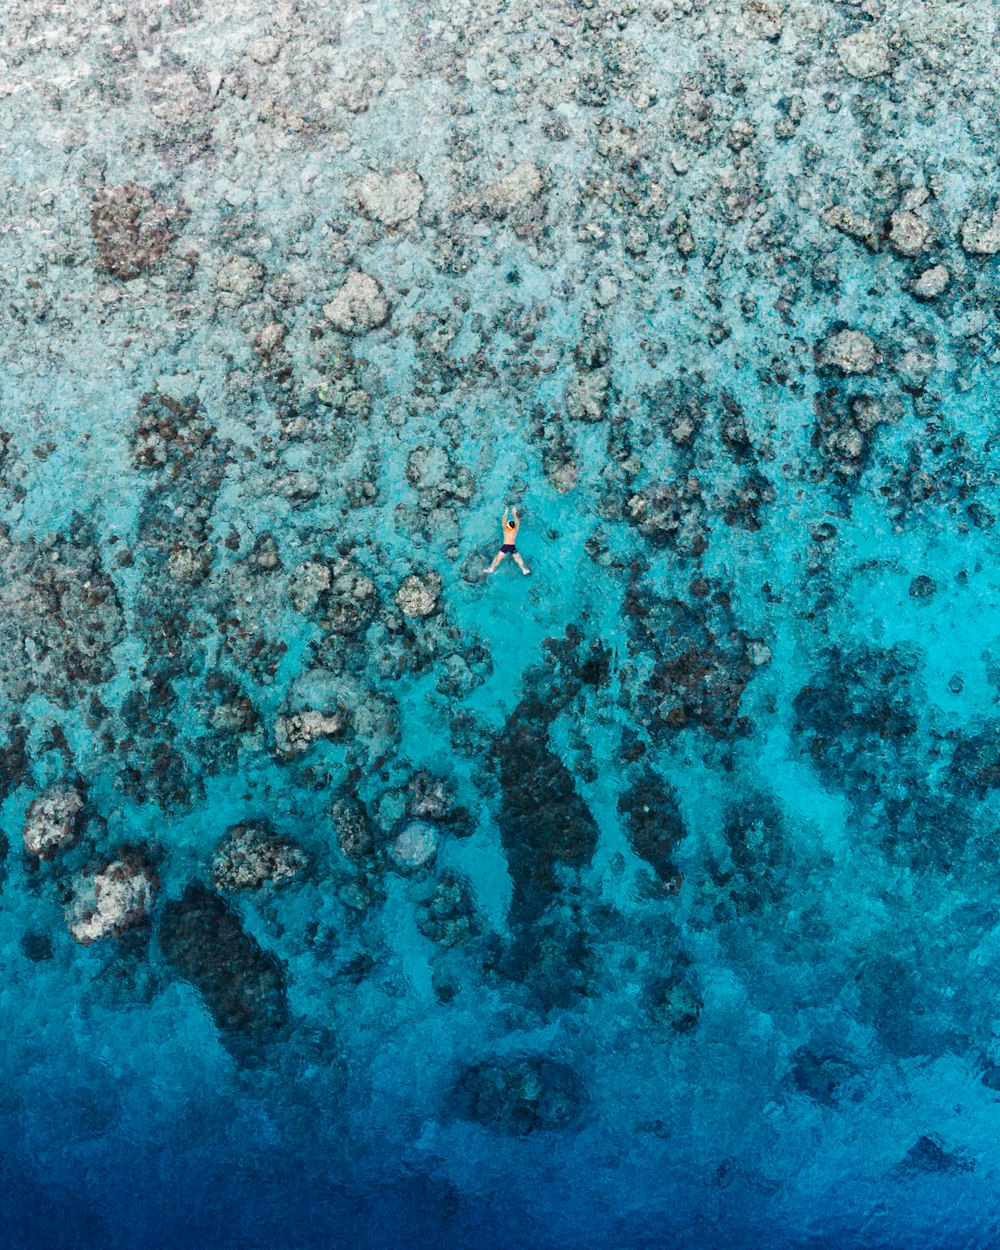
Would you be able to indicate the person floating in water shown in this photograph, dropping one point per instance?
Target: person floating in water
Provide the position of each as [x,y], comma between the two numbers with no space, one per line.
[511,524]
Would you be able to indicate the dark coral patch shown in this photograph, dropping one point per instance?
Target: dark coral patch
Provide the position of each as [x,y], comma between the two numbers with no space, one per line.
[242,984]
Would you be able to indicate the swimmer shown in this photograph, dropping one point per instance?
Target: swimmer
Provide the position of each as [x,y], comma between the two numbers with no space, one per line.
[511,524]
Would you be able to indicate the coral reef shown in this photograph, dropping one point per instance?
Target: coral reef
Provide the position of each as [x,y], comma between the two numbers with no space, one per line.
[252,855]
[649,899]
[52,821]
[521,1097]
[242,985]
[117,898]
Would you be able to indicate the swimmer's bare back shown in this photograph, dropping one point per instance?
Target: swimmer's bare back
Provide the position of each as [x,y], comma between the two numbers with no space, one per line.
[509,525]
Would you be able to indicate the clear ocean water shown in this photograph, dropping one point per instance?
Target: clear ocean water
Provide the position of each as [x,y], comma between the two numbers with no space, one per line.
[647,901]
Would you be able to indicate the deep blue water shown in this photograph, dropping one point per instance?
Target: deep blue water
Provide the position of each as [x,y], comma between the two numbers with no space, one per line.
[648,901]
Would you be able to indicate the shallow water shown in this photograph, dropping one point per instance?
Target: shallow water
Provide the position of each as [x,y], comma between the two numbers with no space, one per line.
[703,950]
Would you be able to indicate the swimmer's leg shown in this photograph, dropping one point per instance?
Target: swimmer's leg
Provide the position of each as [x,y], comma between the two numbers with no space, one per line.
[520,563]
[500,555]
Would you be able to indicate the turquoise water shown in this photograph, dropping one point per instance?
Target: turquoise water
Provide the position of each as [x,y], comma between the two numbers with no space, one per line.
[649,900]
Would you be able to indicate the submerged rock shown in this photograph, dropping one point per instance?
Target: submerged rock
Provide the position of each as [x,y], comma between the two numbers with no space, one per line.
[52,821]
[745,501]
[864,54]
[431,797]
[672,514]
[544,823]
[856,225]
[307,584]
[391,198]
[653,823]
[418,594]
[116,899]
[975,762]
[857,716]
[765,20]
[241,276]
[169,433]
[932,282]
[264,556]
[351,600]
[131,230]
[60,615]
[923,586]
[242,985]
[756,876]
[520,1096]
[587,396]
[253,855]
[269,339]
[849,351]
[845,429]
[980,236]
[908,233]
[825,1078]
[359,306]
[674,1000]
[523,185]
[355,834]
[928,1155]
[13,758]
[552,958]
[296,732]
[449,917]
[702,660]
[37,947]
[265,50]
[415,845]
